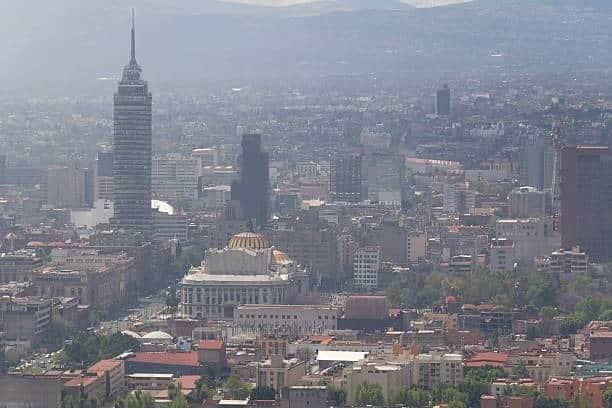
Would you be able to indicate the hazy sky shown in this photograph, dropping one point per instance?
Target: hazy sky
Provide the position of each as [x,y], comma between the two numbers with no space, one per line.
[417,3]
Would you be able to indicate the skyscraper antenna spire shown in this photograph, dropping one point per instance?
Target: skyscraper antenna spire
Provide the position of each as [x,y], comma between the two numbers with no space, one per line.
[133,51]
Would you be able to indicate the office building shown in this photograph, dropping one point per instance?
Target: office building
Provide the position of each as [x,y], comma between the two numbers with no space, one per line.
[174,178]
[458,198]
[104,176]
[132,150]
[502,256]
[443,101]
[367,267]
[532,237]
[345,178]
[586,203]
[252,189]
[537,162]
[66,187]
[287,319]
[526,202]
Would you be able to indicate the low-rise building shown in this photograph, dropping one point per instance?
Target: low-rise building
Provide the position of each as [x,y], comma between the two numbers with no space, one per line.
[212,352]
[389,376]
[279,373]
[287,319]
[434,370]
[23,319]
[148,381]
[567,264]
[307,396]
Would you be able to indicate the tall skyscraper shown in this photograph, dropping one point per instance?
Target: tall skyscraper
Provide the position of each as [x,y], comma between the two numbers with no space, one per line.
[586,200]
[443,101]
[345,182]
[252,190]
[132,149]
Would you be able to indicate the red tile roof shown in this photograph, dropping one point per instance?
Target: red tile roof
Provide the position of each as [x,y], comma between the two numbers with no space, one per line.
[210,345]
[82,381]
[188,382]
[183,359]
[487,359]
[104,365]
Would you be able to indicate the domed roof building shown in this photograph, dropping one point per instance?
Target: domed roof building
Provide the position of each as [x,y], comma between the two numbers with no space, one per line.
[247,271]
[250,240]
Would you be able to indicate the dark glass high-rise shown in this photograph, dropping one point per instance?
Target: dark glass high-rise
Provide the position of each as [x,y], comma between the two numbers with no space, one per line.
[132,150]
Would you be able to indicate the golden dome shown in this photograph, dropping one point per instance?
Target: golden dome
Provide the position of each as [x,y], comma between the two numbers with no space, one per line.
[248,240]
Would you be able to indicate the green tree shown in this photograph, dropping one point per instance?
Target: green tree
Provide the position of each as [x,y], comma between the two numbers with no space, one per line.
[263,392]
[204,389]
[335,395]
[457,404]
[236,388]
[136,399]
[546,402]
[410,397]
[521,370]
[607,397]
[369,394]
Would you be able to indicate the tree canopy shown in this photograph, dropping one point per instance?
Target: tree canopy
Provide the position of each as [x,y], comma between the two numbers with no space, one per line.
[369,394]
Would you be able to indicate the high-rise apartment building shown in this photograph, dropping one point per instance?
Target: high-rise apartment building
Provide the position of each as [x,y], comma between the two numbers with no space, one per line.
[345,178]
[132,150]
[586,200]
[443,101]
[252,190]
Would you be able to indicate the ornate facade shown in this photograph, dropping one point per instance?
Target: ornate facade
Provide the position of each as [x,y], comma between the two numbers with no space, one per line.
[247,271]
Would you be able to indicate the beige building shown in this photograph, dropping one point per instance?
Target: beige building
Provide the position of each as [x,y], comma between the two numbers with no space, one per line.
[502,255]
[543,366]
[389,376]
[279,373]
[433,370]
[94,277]
[287,319]
[18,266]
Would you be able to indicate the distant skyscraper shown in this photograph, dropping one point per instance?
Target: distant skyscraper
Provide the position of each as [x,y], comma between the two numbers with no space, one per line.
[132,149]
[345,181]
[253,188]
[104,176]
[537,163]
[586,200]
[2,169]
[443,101]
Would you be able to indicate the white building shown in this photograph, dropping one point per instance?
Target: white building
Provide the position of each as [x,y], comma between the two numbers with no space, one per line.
[216,196]
[174,177]
[247,271]
[287,319]
[367,267]
[527,202]
[532,237]
[502,255]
